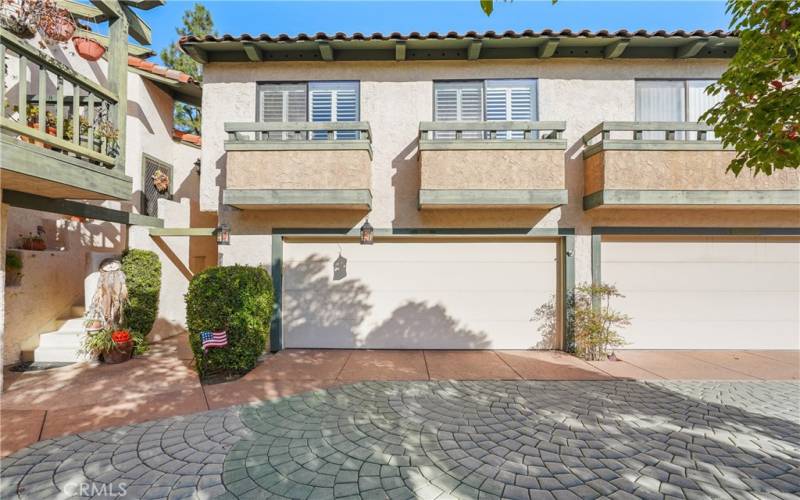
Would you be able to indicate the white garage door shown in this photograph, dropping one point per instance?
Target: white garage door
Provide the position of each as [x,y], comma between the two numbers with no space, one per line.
[709,293]
[412,294]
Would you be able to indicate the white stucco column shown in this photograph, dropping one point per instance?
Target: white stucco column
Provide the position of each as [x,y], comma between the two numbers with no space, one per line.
[3,226]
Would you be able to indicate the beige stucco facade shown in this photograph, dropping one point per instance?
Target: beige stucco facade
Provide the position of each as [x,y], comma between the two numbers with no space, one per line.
[492,169]
[299,169]
[677,170]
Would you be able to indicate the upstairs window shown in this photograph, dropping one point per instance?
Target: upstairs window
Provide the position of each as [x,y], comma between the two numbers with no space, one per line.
[490,100]
[312,101]
[673,101]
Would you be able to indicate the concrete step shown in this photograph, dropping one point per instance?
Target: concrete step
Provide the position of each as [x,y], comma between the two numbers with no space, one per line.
[60,355]
[71,325]
[60,338]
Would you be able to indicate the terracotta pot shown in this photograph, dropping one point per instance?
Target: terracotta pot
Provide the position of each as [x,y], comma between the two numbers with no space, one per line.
[51,130]
[88,49]
[33,244]
[121,353]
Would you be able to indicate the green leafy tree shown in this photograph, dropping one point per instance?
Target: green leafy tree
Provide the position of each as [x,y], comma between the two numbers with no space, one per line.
[487,6]
[760,112]
[196,21]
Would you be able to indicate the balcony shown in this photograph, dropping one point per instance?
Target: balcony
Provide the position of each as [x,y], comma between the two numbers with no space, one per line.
[673,164]
[491,164]
[272,165]
[57,133]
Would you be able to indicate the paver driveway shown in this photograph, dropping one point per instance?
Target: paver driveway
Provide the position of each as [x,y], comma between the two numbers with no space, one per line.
[515,439]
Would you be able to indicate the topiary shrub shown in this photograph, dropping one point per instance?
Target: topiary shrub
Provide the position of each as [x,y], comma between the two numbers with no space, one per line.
[239,300]
[143,277]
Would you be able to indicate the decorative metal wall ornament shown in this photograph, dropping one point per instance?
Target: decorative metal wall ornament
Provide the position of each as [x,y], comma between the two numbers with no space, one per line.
[160,181]
[106,308]
[339,268]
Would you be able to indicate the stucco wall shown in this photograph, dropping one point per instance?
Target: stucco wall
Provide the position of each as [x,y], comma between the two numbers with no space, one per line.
[396,96]
[680,170]
[492,169]
[298,170]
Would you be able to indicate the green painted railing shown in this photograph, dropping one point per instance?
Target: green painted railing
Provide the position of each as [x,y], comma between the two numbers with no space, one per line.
[68,107]
[650,136]
[293,131]
[491,130]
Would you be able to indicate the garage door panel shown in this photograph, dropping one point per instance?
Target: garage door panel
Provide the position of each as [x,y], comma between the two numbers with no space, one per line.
[449,295]
[711,293]
[699,306]
[706,276]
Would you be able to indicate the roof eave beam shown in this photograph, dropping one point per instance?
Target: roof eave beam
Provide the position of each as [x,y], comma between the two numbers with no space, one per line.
[691,49]
[474,50]
[252,51]
[615,49]
[548,49]
[196,53]
[400,50]
[137,28]
[325,51]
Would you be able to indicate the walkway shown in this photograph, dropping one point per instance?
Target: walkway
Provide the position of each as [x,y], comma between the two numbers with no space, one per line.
[445,439]
[88,397]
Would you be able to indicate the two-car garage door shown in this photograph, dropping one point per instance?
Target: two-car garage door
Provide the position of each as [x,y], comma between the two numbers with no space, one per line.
[419,293]
[706,293]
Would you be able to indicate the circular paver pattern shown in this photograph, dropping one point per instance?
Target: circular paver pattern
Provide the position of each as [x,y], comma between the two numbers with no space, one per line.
[485,439]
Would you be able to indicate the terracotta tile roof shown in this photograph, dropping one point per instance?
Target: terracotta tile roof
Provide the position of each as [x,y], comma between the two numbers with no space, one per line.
[155,69]
[452,35]
[186,137]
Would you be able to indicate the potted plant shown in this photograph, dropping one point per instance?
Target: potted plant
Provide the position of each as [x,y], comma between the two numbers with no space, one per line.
[33,242]
[113,346]
[13,269]
[88,48]
[21,17]
[106,131]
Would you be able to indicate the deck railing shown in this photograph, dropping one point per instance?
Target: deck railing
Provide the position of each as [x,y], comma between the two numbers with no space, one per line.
[298,131]
[491,135]
[57,93]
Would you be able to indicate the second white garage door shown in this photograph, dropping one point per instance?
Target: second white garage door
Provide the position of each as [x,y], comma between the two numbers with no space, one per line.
[706,293]
[414,294]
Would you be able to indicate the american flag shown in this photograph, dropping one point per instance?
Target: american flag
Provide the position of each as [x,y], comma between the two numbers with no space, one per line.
[213,339]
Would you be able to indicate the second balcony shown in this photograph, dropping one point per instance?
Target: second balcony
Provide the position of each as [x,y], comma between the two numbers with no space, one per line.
[274,165]
[491,164]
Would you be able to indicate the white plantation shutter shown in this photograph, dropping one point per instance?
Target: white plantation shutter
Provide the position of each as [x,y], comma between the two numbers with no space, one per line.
[511,100]
[698,102]
[458,101]
[660,101]
[283,102]
[334,102]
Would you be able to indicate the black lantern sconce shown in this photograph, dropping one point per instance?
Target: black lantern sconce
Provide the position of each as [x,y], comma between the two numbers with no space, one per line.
[197,166]
[223,234]
[367,233]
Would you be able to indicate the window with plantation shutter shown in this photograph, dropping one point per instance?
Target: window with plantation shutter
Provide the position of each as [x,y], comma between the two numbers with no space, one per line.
[283,102]
[334,102]
[508,100]
[458,101]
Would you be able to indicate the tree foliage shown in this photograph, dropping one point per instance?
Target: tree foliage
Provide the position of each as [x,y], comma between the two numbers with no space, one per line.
[760,112]
[196,21]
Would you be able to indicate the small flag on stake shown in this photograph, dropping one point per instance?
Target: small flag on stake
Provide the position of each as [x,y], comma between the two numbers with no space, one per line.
[213,339]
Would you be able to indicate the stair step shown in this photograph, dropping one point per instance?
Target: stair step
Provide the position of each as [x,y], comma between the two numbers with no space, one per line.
[60,338]
[60,355]
[71,325]
[78,311]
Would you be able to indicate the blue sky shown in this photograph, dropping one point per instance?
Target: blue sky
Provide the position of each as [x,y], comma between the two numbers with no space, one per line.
[298,16]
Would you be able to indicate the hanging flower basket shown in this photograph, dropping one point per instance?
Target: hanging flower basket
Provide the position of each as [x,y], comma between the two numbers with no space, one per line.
[160,181]
[21,17]
[57,25]
[88,49]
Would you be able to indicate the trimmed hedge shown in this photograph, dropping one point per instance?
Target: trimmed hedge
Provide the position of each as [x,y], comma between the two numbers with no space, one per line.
[238,299]
[143,277]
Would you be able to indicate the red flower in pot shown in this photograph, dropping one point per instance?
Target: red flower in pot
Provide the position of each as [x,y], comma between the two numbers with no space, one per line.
[88,49]
[122,350]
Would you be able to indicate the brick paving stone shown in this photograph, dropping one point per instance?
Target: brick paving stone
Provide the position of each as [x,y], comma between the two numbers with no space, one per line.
[481,439]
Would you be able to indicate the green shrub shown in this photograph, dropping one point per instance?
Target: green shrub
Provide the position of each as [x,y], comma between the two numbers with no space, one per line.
[238,299]
[13,262]
[143,277]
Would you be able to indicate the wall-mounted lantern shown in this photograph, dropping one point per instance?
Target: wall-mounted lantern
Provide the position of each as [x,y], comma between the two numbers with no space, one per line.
[223,234]
[197,166]
[367,233]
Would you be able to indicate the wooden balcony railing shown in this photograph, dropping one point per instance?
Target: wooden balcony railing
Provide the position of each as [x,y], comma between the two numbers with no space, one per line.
[491,135]
[654,136]
[77,105]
